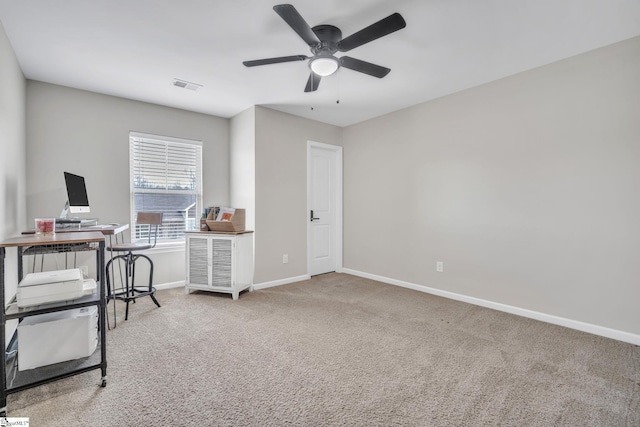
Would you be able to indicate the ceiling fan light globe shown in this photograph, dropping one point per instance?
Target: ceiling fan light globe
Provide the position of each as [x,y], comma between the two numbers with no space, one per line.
[324,65]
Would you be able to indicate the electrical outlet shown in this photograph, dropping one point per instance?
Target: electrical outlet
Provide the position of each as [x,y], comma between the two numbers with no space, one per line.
[440,266]
[85,271]
[285,258]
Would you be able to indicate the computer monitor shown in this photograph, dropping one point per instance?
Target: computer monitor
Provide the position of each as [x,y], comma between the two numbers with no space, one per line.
[77,201]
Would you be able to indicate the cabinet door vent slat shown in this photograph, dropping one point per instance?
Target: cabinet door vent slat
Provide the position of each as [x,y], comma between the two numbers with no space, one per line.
[198,269]
[221,262]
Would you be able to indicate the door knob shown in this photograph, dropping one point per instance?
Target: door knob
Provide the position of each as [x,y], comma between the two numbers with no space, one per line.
[312,218]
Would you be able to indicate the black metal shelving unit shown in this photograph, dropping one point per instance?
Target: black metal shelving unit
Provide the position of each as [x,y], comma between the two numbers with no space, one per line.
[12,380]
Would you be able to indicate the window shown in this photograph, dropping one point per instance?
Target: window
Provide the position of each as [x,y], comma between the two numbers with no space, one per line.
[165,176]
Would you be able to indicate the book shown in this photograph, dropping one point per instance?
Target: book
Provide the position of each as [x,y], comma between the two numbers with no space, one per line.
[212,212]
[225,214]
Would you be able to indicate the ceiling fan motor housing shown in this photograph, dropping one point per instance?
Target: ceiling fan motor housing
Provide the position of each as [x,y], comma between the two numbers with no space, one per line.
[329,36]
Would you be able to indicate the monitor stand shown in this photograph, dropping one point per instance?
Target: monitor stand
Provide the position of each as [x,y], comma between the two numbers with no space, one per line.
[64,219]
[64,215]
[65,222]
[68,221]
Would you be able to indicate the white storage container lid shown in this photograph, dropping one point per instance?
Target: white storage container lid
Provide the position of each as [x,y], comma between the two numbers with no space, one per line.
[59,315]
[45,277]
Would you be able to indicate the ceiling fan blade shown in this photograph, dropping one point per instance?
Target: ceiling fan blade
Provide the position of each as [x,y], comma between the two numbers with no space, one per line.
[297,22]
[312,83]
[364,67]
[381,28]
[274,60]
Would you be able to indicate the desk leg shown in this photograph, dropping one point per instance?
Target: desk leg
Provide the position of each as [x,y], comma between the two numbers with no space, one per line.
[3,375]
[103,312]
[112,289]
[112,293]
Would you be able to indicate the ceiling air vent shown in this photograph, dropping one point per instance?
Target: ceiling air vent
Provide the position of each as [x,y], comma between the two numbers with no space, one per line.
[186,85]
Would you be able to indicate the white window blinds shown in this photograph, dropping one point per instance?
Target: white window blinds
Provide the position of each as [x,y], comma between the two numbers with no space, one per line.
[166,176]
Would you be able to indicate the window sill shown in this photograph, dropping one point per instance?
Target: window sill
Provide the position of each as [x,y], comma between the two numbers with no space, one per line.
[162,248]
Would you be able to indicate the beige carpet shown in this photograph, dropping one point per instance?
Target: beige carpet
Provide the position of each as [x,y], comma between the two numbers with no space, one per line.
[341,350]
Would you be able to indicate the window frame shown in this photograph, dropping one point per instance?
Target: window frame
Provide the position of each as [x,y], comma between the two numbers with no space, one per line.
[198,191]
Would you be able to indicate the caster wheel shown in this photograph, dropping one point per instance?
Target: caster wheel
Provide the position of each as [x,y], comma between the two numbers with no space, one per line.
[103,383]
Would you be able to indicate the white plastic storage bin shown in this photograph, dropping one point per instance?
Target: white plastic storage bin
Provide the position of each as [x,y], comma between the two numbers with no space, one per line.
[57,337]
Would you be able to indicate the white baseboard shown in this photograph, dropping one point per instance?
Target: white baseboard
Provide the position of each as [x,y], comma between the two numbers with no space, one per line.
[264,285]
[548,318]
[169,285]
[280,282]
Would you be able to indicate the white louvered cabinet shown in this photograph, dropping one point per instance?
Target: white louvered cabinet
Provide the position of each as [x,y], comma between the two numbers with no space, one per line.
[219,262]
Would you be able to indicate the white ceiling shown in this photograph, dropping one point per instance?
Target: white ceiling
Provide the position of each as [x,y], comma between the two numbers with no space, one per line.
[135,48]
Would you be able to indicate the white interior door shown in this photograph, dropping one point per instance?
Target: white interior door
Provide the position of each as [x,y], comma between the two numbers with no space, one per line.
[324,208]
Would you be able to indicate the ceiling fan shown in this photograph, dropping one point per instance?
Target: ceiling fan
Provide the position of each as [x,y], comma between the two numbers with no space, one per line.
[325,40]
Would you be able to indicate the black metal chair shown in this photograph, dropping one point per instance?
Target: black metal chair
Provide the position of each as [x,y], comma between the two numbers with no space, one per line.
[150,223]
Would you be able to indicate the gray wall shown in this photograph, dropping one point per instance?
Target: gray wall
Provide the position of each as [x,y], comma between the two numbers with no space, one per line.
[12,141]
[527,188]
[243,165]
[12,160]
[88,134]
[281,191]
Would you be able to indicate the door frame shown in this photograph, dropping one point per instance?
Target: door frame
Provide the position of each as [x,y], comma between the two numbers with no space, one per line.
[337,219]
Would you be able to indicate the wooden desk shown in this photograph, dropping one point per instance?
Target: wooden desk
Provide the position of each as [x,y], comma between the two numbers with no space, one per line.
[29,238]
[107,230]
